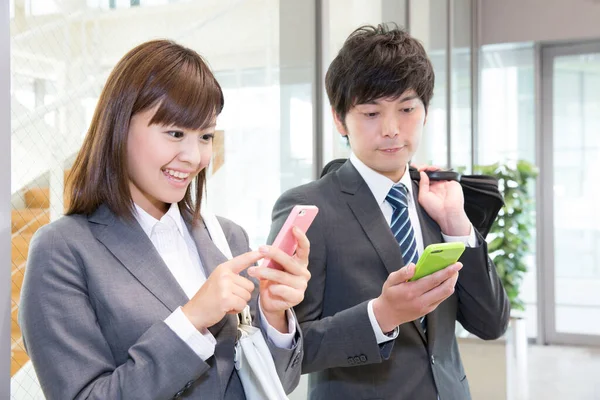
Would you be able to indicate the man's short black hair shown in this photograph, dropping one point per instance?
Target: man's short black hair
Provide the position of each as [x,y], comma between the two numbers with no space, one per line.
[378,62]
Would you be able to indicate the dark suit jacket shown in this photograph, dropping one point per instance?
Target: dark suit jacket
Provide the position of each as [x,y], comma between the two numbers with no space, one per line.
[92,312]
[352,253]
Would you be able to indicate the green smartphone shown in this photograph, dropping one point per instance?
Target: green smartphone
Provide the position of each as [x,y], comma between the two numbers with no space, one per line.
[436,257]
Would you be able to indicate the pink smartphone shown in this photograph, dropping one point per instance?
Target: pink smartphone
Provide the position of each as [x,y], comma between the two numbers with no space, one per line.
[300,217]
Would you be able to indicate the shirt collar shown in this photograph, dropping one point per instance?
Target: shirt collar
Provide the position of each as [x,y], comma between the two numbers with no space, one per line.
[148,222]
[378,184]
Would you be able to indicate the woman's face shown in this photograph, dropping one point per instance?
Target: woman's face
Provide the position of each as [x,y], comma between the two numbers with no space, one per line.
[163,160]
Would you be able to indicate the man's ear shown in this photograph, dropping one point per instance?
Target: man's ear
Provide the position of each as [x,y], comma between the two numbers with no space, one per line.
[339,124]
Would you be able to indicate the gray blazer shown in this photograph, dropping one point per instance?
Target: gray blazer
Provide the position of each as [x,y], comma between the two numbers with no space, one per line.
[352,253]
[95,296]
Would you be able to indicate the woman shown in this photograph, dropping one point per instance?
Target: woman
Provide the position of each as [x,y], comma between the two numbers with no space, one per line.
[127,297]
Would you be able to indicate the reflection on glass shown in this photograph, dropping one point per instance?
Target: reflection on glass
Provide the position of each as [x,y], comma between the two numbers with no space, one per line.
[506,119]
[576,128]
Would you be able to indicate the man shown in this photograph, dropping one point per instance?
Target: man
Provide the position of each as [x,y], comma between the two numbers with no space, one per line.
[364,334]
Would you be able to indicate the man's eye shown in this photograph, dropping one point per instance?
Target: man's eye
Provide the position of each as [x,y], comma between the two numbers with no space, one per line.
[371,114]
[408,110]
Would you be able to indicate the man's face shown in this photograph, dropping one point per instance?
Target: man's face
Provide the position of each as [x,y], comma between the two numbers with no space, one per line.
[384,134]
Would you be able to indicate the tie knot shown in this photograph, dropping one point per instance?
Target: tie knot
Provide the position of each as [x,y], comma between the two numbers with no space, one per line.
[398,196]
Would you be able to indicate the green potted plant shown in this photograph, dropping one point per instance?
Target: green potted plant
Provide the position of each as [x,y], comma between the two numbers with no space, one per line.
[510,239]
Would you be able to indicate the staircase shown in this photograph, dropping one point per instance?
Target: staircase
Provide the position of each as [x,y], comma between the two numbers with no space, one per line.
[25,222]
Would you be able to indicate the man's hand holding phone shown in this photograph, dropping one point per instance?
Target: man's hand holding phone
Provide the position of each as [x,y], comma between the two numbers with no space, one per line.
[402,301]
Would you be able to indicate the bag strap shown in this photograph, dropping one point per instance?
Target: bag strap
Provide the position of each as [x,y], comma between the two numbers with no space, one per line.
[218,237]
[216,233]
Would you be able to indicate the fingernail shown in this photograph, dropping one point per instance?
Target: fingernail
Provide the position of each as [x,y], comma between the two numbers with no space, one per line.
[252,271]
[264,249]
[296,229]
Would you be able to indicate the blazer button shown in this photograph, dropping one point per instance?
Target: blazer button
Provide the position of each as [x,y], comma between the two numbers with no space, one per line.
[363,358]
[178,394]
[188,385]
[432,360]
[357,360]
[351,360]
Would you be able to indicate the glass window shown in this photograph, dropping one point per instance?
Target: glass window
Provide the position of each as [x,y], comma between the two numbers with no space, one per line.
[461,85]
[507,129]
[429,24]
[42,7]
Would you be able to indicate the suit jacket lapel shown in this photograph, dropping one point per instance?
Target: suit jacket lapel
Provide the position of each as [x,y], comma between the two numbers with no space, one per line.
[431,233]
[211,257]
[368,214]
[131,246]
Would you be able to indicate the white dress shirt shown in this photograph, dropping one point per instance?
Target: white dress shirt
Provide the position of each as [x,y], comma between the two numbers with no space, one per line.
[380,187]
[177,248]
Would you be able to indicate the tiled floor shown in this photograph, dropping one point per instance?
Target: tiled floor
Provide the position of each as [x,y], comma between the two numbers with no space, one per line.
[557,372]
[554,373]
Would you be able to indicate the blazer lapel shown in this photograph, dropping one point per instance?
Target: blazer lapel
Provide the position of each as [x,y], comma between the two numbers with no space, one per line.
[431,233]
[131,246]
[369,216]
[211,257]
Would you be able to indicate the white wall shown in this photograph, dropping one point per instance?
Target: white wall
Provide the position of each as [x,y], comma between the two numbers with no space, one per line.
[505,21]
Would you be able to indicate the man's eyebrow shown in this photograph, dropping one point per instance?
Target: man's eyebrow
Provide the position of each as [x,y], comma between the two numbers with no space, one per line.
[402,99]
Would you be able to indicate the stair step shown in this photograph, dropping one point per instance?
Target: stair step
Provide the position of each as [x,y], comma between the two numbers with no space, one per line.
[17,267]
[15,292]
[14,314]
[37,198]
[37,216]
[40,198]
[15,331]
[20,248]
[18,358]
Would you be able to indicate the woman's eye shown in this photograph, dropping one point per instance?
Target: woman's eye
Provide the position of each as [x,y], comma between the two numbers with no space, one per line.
[207,137]
[175,134]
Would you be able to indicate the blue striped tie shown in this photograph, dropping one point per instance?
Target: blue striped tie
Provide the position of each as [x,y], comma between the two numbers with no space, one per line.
[402,228]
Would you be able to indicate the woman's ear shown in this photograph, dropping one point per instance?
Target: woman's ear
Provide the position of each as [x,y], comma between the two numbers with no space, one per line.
[339,124]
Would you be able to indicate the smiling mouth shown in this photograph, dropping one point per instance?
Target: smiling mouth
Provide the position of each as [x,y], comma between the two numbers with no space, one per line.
[176,176]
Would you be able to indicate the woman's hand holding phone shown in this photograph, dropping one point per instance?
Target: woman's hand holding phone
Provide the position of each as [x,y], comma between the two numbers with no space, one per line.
[283,289]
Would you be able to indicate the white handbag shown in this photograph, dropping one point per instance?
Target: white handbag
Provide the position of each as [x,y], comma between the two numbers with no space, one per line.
[253,360]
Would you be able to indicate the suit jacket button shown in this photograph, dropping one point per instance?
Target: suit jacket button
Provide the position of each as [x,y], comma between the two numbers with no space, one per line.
[432,360]
[350,360]
[188,385]
[363,358]
[178,394]
[357,360]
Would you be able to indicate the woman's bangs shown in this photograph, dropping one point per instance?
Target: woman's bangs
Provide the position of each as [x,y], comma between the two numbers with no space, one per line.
[192,99]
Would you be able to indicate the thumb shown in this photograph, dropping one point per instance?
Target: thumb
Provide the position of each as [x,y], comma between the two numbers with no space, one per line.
[402,275]
[243,261]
